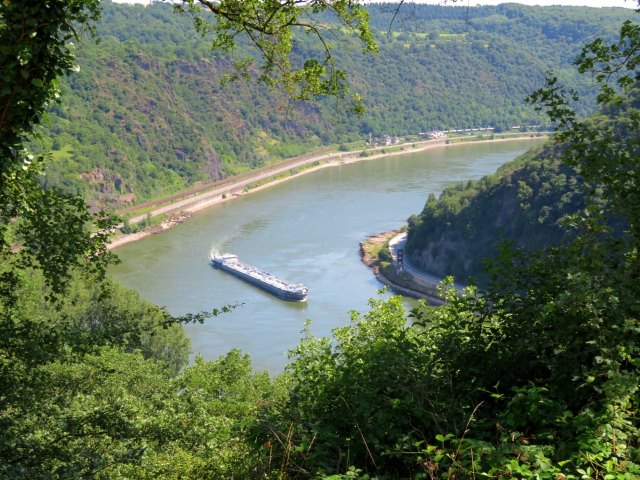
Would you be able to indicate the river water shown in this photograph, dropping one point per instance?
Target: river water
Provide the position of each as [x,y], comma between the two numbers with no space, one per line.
[306,230]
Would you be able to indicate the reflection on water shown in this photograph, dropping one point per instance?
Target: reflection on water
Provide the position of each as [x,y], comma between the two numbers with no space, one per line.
[306,230]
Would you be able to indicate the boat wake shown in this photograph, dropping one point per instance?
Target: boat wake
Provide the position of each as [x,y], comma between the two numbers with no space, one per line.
[241,231]
[214,251]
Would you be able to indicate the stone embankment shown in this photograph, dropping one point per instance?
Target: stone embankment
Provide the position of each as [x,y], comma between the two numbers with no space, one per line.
[408,282]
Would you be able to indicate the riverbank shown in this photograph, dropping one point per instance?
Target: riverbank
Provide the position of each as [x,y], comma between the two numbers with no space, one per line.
[369,255]
[291,169]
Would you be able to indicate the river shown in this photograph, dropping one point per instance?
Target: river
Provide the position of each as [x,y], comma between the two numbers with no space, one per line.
[305,230]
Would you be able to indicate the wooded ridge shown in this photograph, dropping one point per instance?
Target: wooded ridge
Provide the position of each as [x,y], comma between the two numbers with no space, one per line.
[147,114]
[537,376]
[523,204]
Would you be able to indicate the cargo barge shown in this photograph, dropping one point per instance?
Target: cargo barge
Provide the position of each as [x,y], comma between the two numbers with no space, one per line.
[294,292]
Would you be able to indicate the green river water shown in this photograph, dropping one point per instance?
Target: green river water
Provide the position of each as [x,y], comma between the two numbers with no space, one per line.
[306,230]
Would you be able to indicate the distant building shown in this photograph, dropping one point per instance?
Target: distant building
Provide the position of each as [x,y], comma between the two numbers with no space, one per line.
[382,140]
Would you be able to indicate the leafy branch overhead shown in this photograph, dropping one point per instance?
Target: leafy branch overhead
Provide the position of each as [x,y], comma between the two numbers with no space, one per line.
[270,26]
[36,49]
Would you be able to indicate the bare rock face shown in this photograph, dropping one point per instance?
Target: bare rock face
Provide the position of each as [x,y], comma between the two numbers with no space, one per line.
[213,165]
[114,191]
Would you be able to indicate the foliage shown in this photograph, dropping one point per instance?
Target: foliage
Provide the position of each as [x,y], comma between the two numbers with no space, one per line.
[34,55]
[604,148]
[53,228]
[270,29]
[117,415]
[132,124]
[524,204]
[36,336]
[351,404]
[537,378]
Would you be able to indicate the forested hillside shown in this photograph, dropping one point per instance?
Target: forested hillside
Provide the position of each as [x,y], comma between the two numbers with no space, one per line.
[527,204]
[147,115]
[522,204]
[538,377]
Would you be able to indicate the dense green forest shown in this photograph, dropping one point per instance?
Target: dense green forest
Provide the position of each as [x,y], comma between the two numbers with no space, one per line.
[538,377]
[523,203]
[147,115]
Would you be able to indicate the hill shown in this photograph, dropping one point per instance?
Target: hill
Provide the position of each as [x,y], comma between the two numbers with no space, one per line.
[147,114]
[527,200]
[523,203]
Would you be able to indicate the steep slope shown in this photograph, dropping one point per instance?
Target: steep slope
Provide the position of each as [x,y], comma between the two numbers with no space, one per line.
[147,114]
[523,203]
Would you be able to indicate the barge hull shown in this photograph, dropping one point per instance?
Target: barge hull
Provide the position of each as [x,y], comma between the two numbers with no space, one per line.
[263,280]
[290,296]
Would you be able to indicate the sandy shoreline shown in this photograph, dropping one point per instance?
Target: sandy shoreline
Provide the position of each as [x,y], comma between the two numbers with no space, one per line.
[234,190]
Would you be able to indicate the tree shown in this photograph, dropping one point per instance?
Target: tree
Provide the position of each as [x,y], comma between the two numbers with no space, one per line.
[270,27]
[57,232]
[605,148]
[53,422]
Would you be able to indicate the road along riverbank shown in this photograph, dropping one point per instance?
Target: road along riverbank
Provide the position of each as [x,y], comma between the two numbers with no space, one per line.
[405,282]
[235,187]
